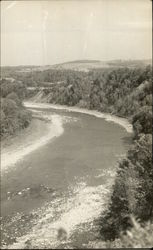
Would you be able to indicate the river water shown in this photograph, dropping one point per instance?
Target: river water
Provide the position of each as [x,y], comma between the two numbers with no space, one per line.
[52,196]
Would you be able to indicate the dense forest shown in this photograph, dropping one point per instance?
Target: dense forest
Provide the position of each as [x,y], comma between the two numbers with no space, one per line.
[126,92]
[122,91]
[13,115]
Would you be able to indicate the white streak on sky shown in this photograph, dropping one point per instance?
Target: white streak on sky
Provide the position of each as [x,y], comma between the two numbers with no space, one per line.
[11,5]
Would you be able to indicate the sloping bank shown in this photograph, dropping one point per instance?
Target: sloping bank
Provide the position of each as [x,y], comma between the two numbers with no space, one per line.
[108,117]
[42,129]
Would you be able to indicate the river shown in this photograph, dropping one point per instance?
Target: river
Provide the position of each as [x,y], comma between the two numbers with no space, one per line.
[55,187]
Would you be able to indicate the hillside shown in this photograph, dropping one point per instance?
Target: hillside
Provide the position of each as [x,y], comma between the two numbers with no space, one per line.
[86,65]
[81,65]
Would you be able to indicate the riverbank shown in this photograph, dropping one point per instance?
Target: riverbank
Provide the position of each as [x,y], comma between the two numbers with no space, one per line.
[108,117]
[42,129]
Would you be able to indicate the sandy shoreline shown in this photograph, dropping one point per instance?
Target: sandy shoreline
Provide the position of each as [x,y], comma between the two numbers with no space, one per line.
[108,117]
[37,136]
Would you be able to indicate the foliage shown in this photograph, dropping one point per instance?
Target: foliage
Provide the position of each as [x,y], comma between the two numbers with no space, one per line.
[142,121]
[139,236]
[132,191]
[13,115]
[121,91]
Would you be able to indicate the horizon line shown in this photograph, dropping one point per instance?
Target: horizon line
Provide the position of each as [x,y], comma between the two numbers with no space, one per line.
[64,62]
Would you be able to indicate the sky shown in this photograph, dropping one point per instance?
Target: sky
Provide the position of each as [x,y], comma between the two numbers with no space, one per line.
[49,32]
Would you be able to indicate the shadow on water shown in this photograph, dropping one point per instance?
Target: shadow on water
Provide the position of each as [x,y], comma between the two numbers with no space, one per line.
[127,140]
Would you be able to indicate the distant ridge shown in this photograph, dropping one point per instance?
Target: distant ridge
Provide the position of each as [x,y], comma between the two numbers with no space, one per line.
[82,65]
[86,65]
[82,61]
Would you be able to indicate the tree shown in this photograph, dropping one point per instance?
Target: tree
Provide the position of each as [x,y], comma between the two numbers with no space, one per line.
[13,96]
[142,121]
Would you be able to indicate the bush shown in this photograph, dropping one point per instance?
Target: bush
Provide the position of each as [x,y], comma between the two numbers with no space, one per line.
[13,96]
[13,115]
[142,121]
